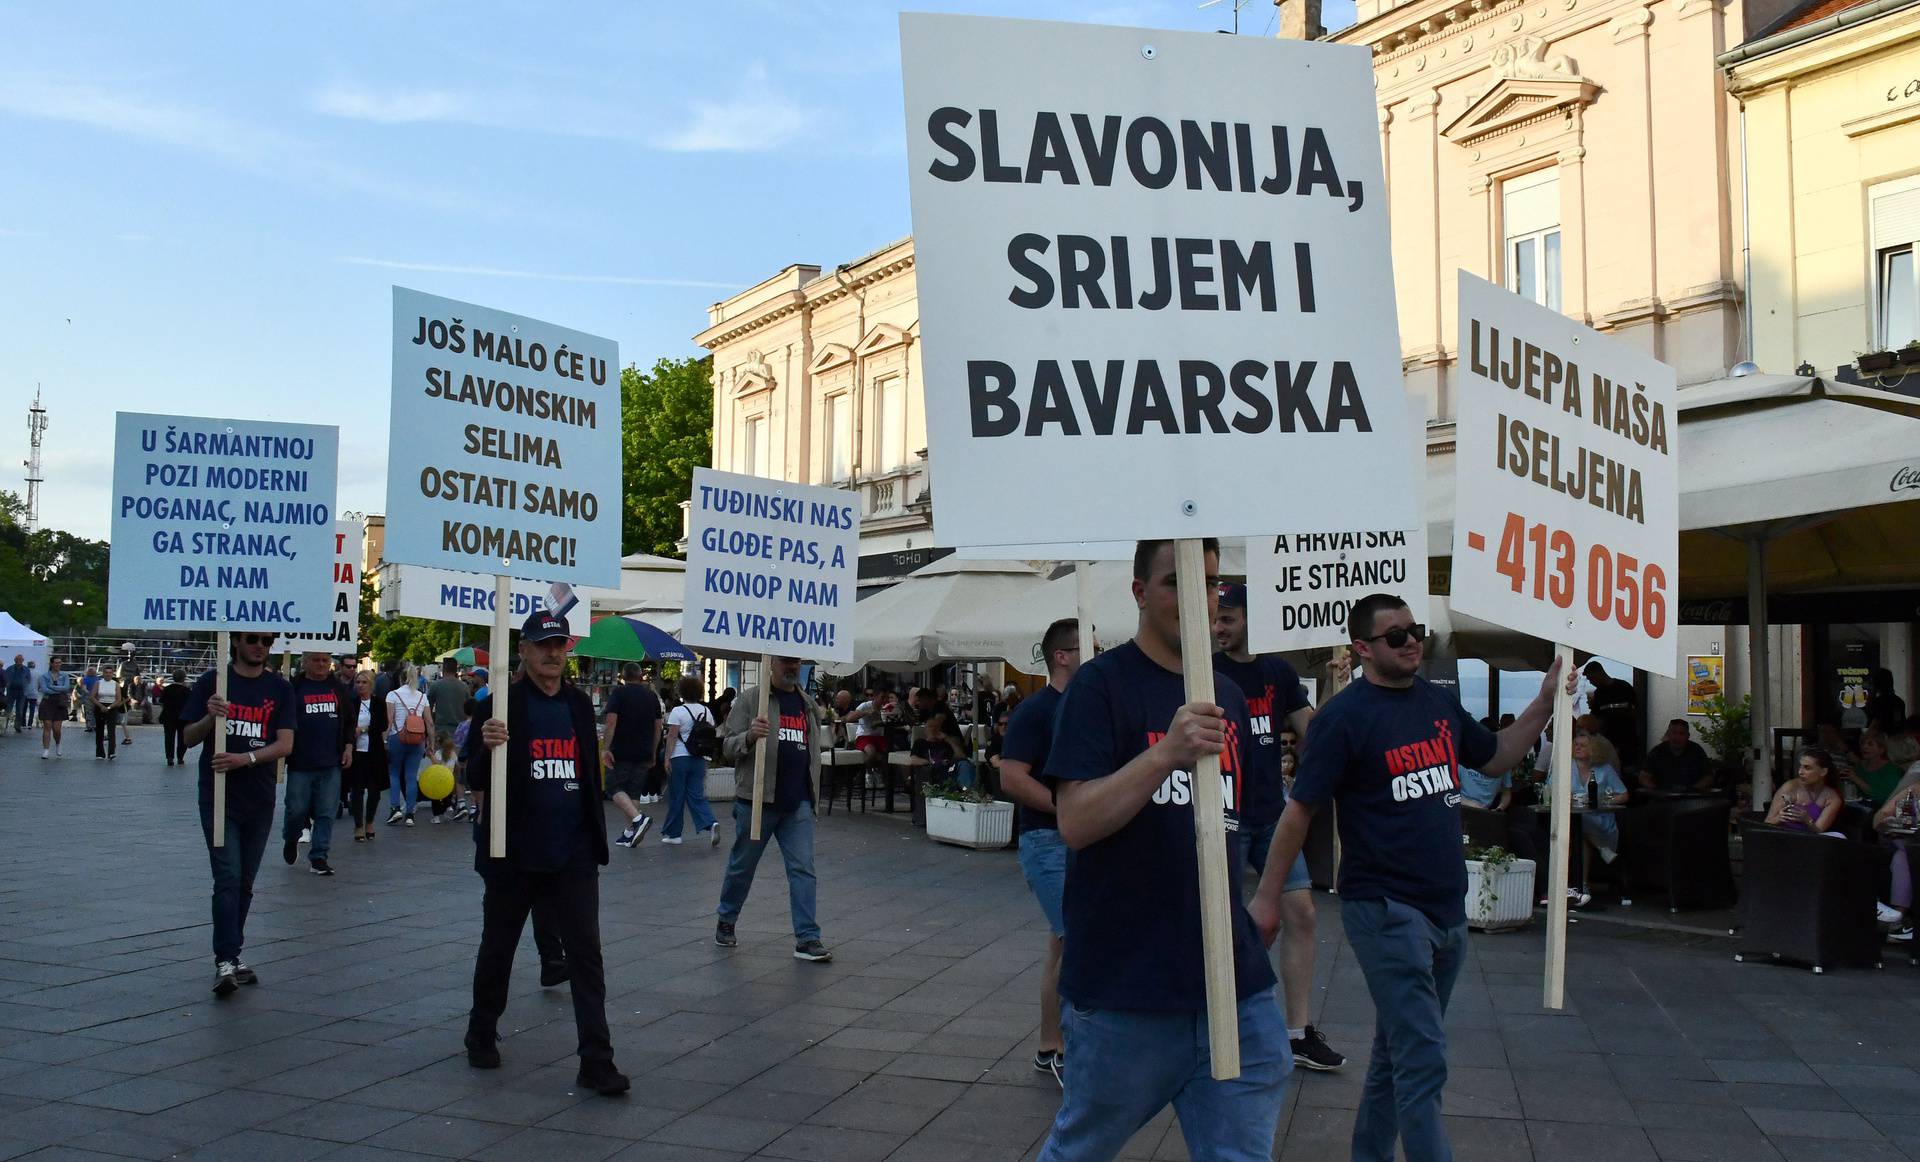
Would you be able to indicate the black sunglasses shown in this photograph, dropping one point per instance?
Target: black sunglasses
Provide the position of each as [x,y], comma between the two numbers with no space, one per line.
[254,639]
[1398,635]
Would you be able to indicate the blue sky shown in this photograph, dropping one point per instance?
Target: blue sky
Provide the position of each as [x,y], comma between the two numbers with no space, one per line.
[204,214]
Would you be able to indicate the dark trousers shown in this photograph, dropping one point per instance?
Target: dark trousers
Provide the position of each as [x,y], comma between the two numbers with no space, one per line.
[362,803]
[176,747]
[106,738]
[572,903]
[234,866]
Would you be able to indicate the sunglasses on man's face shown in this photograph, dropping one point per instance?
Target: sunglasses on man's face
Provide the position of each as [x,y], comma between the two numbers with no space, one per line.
[254,639]
[1398,635]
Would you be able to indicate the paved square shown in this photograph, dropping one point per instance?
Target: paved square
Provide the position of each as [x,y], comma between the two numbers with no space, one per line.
[912,1046]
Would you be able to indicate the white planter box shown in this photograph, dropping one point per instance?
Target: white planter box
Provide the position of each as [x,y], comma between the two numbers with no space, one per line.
[1512,896]
[981,826]
[720,785]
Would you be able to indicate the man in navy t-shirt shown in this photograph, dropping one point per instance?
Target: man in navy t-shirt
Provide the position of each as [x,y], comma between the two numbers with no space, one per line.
[786,805]
[244,734]
[1388,750]
[322,747]
[1124,750]
[1275,702]
[1043,858]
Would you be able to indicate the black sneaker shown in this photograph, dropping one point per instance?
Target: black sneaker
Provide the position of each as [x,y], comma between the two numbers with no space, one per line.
[1902,934]
[639,829]
[723,935]
[1312,1052]
[243,974]
[812,950]
[225,984]
[290,851]
[628,838]
[322,868]
[1059,1070]
[602,1077]
[483,1054]
[553,972]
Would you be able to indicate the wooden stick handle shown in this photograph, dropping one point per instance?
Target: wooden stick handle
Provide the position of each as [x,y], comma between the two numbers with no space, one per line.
[499,678]
[1209,818]
[1560,790]
[766,746]
[219,740]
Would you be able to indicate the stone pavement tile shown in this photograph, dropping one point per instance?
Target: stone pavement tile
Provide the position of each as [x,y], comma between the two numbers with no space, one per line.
[1830,1150]
[1557,1140]
[552,1146]
[664,1152]
[878,1040]
[1676,1115]
[948,1150]
[1768,1072]
[1756,1095]
[254,1145]
[856,1113]
[256,1061]
[336,1121]
[1474,1048]
[895,1019]
[523,1103]
[1659,1067]
[361,1152]
[1480,1093]
[143,1095]
[1782,1123]
[769,1105]
[833,1144]
[931,1093]
[57,1049]
[1879,1077]
[56,1122]
[719,1131]
[442,1137]
[632,1118]
[52,1082]
[987,1126]
[1675,1089]
[1338,1091]
[790,1077]
[138,1139]
[1564,1099]
[1682,1145]
[236,1110]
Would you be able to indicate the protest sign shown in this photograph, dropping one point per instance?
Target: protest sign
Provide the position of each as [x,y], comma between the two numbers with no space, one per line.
[1566,524]
[467,598]
[770,567]
[504,444]
[1173,304]
[1301,586]
[343,635]
[222,524]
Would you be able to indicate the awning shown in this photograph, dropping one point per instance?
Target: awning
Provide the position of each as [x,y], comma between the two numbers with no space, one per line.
[898,628]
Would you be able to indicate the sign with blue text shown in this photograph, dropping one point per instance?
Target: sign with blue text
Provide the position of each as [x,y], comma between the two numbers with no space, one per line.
[770,567]
[467,598]
[1156,262]
[503,454]
[222,524]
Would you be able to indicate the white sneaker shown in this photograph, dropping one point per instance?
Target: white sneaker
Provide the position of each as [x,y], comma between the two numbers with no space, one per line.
[306,835]
[44,752]
[713,836]
[437,819]
[672,840]
[1887,914]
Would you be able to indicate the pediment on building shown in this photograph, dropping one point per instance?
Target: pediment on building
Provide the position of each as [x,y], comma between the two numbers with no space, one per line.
[881,337]
[830,356]
[1529,86]
[755,375]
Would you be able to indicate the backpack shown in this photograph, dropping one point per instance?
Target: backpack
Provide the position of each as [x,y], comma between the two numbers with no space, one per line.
[413,729]
[703,741]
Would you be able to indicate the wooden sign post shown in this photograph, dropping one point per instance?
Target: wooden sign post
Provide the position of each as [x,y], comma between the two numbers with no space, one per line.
[220,641]
[499,677]
[1560,793]
[1209,818]
[766,746]
[1083,610]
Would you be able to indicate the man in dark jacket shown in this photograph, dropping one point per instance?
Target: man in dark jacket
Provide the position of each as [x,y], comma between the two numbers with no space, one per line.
[556,842]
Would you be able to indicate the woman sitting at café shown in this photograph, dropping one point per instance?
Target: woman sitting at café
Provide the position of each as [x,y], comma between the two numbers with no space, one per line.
[941,748]
[1876,774]
[1897,820]
[1601,830]
[1809,802]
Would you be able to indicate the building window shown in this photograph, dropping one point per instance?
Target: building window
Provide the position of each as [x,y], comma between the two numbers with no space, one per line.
[889,425]
[753,446]
[1530,224]
[1894,209]
[836,454]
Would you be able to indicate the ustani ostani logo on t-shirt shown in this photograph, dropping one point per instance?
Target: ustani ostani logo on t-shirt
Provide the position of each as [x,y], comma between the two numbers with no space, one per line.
[793,728]
[249,722]
[1428,767]
[321,703]
[554,758]
[1177,788]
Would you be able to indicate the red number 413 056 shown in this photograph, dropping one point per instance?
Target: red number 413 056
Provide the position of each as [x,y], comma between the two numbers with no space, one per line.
[1618,588]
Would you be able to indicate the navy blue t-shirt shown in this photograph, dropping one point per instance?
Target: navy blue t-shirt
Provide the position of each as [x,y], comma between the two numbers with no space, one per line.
[1029,740]
[638,709]
[1390,759]
[1273,694]
[317,738]
[258,709]
[1133,899]
[793,771]
[557,821]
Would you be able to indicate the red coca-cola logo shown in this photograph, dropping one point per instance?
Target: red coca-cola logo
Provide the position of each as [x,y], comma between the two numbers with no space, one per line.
[1905,480]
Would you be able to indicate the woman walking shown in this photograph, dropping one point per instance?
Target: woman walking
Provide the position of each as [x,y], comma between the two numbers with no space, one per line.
[687,771]
[407,733]
[367,777]
[173,701]
[56,694]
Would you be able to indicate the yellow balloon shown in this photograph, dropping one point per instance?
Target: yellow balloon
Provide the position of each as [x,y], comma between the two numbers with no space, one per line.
[436,781]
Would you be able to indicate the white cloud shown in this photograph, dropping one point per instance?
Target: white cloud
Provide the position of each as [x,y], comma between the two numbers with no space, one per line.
[754,119]
[395,107]
[541,275]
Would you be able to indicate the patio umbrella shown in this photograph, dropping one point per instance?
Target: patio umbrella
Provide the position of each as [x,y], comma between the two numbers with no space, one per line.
[898,627]
[628,639]
[467,656]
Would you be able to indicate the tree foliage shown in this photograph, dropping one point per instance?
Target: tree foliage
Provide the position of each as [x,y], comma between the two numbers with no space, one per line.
[42,570]
[416,639]
[666,420]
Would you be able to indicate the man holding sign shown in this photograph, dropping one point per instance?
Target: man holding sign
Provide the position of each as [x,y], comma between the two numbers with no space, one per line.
[1389,750]
[253,729]
[1124,750]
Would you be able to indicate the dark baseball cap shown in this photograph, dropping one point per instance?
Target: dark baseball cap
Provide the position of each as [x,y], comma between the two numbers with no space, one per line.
[1232,595]
[543,626]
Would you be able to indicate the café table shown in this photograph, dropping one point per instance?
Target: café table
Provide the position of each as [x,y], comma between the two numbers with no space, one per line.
[1579,848]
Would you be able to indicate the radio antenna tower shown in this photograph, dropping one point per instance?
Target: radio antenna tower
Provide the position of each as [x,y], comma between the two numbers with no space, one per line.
[36,430]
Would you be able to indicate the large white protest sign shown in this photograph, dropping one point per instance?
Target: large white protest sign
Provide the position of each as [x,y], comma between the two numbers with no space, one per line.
[770,567]
[342,636]
[1567,514]
[504,444]
[222,524]
[1157,264]
[467,599]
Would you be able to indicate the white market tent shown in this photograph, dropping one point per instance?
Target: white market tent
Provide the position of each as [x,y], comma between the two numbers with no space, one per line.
[898,627]
[18,638]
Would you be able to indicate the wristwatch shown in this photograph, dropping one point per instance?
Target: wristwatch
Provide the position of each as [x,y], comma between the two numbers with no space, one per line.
[249,758]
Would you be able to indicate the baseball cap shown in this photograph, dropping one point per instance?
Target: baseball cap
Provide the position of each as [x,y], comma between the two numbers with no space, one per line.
[543,626]
[1232,595]
[478,671]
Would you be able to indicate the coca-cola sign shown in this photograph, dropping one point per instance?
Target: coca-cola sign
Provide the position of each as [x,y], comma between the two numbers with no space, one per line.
[1905,480]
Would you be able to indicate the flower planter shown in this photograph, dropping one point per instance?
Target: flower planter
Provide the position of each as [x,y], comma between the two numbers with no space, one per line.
[981,826]
[1511,902]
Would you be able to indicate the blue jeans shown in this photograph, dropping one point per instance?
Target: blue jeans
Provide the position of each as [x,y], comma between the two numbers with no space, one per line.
[1258,841]
[1125,1066]
[1043,861]
[403,772]
[17,706]
[687,791]
[234,867]
[794,830]
[311,799]
[1410,964]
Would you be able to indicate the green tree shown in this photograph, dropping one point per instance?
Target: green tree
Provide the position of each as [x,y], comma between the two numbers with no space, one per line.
[666,421]
[42,571]
[417,639]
